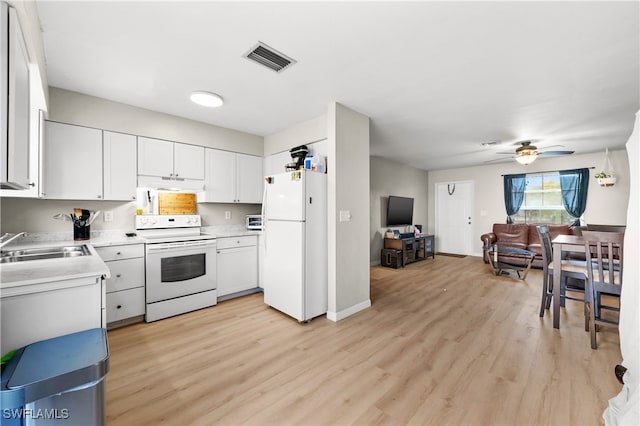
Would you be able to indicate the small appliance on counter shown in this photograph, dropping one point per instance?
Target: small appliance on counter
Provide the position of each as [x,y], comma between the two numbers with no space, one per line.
[82,220]
[254,222]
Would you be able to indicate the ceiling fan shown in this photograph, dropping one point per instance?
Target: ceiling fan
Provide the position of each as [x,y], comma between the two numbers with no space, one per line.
[527,153]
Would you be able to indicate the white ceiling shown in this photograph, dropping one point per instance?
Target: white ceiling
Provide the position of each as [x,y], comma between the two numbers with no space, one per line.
[436,78]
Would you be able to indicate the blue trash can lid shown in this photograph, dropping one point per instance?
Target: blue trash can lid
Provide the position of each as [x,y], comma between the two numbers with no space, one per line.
[57,357]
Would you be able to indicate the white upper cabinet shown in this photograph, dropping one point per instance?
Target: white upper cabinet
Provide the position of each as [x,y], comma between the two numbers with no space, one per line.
[155,157]
[188,161]
[231,178]
[119,155]
[170,160]
[72,162]
[249,178]
[220,177]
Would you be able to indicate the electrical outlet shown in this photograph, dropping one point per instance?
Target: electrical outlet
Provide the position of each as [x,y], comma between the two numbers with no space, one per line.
[108,216]
[227,214]
[345,216]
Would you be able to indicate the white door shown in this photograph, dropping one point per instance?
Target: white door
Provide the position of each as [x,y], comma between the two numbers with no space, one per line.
[249,178]
[454,219]
[220,178]
[120,175]
[188,161]
[237,269]
[284,267]
[155,157]
[72,162]
[285,197]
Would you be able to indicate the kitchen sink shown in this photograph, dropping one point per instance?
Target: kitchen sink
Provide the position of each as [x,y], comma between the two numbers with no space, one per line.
[23,255]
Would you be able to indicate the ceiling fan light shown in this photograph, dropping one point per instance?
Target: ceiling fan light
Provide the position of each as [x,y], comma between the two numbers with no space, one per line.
[206,99]
[526,159]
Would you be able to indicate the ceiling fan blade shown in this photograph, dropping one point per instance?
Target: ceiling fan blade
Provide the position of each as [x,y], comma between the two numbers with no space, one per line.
[505,152]
[555,153]
[497,160]
[552,146]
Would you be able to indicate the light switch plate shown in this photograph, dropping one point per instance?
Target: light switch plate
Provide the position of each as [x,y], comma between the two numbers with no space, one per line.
[227,214]
[108,216]
[345,216]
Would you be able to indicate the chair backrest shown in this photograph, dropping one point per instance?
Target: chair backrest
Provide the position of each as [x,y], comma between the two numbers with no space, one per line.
[545,245]
[605,249]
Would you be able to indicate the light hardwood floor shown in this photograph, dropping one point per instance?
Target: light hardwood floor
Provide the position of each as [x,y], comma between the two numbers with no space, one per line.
[445,342]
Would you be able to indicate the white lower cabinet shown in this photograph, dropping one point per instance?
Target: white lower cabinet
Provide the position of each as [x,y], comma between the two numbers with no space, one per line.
[237,264]
[125,304]
[126,286]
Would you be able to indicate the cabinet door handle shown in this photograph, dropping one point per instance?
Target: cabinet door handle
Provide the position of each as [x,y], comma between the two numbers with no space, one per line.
[118,253]
[118,275]
[32,184]
[99,196]
[119,306]
[133,197]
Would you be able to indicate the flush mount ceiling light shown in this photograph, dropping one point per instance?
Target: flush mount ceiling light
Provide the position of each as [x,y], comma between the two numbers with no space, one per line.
[206,99]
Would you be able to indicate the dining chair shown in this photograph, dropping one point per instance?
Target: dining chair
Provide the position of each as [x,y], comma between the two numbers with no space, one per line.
[604,275]
[570,269]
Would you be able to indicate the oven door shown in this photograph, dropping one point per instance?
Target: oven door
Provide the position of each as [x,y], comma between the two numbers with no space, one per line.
[180,268]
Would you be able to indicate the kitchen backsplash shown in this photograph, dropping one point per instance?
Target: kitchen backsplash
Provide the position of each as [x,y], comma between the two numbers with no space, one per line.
[36,215]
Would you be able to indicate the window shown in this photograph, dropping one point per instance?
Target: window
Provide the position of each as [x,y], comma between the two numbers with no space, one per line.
[543,201]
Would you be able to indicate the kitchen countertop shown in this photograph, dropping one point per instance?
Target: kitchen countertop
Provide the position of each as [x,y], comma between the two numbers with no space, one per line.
[17,274]
[23,277]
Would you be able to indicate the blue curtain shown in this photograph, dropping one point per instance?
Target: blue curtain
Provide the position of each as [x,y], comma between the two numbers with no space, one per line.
[513,194]
[574,185]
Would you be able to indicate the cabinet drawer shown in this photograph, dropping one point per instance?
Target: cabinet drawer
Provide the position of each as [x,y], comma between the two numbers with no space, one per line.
[125,274]
[232,242]
[120,252]
[125,304]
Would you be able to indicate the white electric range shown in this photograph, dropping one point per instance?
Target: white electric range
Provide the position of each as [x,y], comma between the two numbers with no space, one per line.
[180,265]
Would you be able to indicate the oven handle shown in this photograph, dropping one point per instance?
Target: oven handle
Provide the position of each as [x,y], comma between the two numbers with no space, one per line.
[180,244]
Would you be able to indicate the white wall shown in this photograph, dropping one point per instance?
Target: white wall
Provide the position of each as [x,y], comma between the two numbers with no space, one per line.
[76,108]
[391,178]
[604,205]
[35,215]
[303,133]
[348,190]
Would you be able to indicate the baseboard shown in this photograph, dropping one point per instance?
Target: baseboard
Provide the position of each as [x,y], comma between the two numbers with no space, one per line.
[337,316]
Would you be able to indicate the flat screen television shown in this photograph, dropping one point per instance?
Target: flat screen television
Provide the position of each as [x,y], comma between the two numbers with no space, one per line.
[399,211]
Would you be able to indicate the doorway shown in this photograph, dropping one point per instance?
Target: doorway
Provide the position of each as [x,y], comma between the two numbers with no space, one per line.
[454,218]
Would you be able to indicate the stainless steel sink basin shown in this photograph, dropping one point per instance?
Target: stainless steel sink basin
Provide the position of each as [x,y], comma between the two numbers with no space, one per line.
[23,255]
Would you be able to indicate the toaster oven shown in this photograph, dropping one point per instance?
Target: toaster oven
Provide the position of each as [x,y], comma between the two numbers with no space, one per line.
[254,221]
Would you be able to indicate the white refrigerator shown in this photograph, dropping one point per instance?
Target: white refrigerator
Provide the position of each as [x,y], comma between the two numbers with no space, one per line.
[295,230]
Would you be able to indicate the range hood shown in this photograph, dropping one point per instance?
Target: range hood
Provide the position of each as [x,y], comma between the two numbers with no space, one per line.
[168,184]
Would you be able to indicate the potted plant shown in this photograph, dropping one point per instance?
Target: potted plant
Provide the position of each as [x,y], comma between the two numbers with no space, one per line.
[605,179]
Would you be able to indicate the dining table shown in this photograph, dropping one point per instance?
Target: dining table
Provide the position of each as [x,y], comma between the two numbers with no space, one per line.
[562,243]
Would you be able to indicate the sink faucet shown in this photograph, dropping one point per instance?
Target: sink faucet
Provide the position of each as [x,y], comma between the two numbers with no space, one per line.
[7,238]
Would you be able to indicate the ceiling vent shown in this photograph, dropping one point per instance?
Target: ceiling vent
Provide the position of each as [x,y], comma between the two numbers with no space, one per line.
[269,57]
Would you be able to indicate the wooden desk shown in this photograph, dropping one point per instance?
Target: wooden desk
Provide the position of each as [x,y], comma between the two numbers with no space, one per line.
[562,243]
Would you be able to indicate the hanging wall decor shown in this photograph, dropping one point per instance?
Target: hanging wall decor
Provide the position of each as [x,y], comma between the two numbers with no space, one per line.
[606,177]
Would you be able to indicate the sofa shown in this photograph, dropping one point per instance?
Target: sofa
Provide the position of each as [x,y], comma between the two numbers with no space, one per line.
[522,236]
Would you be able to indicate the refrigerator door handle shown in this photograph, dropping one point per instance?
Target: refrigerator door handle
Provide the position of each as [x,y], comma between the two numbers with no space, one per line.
[310,200]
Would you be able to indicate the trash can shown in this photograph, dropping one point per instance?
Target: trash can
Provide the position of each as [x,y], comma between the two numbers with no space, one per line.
[57,381]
